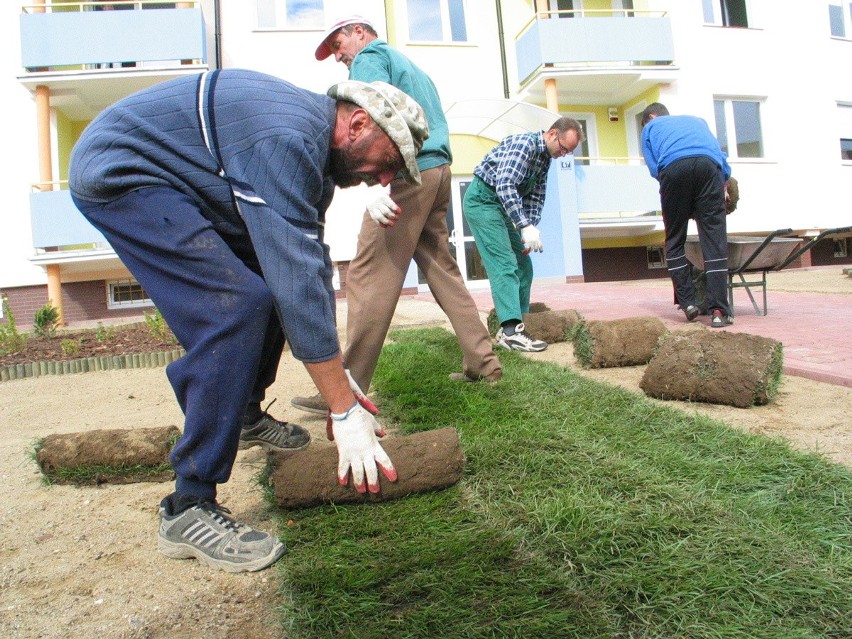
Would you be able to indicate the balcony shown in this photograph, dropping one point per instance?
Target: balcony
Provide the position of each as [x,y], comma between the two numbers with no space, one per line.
[595,57]
[89,57]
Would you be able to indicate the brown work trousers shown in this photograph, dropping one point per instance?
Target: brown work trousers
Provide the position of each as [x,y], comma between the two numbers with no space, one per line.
[376,275]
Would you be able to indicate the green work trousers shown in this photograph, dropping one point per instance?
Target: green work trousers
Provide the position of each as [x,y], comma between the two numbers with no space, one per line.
[509,269]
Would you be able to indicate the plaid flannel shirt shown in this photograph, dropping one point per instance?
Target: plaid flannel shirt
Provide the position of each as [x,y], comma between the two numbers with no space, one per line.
[508,166]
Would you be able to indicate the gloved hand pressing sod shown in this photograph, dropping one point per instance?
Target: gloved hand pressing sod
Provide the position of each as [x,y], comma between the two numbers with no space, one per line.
[532,239]
[356,434]
[383,210]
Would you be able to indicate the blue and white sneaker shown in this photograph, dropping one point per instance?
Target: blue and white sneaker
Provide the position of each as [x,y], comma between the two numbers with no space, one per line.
[520,340]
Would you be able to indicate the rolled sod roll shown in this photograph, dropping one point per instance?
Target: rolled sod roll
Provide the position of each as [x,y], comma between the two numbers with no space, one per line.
[551,326]
[623,342]
[736,369]
[425,461]
[108,456]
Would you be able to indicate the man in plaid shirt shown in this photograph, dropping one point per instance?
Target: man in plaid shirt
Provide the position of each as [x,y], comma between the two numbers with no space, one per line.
[503,208]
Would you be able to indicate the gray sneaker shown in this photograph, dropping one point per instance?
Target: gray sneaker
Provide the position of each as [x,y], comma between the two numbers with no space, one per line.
[274,434]
[493,378]
[315,404]
[520,340]
[204,530]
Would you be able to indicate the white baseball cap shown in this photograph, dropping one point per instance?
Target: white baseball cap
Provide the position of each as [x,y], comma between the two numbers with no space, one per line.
[323,50]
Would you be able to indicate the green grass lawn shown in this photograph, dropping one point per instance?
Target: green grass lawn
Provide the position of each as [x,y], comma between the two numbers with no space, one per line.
[585,511]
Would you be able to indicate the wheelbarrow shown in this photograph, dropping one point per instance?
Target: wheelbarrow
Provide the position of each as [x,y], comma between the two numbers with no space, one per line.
[748,255]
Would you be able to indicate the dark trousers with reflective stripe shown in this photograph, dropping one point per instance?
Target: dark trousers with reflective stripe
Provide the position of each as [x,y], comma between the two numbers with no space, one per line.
[694,188]
[208,287]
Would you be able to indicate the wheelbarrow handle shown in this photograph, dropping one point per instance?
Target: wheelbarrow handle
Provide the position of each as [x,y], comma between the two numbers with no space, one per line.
[809,244]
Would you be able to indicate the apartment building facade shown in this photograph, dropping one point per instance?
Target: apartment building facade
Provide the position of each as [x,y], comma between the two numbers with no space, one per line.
[504,66]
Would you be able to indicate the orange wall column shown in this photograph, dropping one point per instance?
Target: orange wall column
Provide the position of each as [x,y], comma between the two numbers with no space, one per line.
[45,165]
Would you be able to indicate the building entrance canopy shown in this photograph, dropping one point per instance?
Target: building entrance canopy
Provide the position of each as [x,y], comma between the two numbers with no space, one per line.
[495,118]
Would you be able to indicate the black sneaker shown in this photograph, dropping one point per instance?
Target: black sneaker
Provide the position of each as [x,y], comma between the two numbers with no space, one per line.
[720,320]
[691,312]
[272,433]
[202,529]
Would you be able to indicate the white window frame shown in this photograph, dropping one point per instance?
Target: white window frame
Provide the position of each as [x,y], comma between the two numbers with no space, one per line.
[731,131]
[841,248]
[846,14]
[446,28]
[112,304]
[718,19]
[281,23]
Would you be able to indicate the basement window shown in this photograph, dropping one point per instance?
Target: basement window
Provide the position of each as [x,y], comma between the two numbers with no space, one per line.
[126,294]
[656,257]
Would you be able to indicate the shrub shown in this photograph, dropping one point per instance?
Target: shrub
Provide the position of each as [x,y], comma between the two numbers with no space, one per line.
[44,322]
[158,327]
[103,333]
[70,346]
[11,341]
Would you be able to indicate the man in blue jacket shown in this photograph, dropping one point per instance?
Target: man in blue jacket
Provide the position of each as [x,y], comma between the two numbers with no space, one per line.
[212,189]
[409,223]
[684,156]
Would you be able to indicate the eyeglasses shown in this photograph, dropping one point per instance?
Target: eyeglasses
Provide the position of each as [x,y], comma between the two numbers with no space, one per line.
[563,148]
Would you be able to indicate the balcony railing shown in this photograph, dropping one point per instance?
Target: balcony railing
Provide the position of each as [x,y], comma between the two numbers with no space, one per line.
[594,38]
[81,35]
[610,187]
[57,223]
[605,188]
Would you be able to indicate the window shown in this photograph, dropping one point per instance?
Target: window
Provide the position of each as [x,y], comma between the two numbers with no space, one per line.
[727,13]
[738,127]
[290,14]
[588,148]
[567,8]
[437,20]
[841,248]
[844,130]
[840,19]
[656,257]
[126,294]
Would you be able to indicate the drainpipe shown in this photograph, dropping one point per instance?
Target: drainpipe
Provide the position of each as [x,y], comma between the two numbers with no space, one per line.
[501,36]
[217,35]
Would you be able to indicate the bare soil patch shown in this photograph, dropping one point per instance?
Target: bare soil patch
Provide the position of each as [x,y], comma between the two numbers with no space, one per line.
[67,345]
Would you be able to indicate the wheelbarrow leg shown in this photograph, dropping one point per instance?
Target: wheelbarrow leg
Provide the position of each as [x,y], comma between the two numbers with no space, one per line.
[731,292]
[747,286]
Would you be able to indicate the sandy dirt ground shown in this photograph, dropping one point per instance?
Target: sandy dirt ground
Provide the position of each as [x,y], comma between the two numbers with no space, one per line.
[82,562]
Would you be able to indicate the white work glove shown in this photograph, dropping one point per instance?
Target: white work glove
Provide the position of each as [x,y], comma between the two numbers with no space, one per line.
[356,434]
[360,395]
[532,239]
[383,210]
